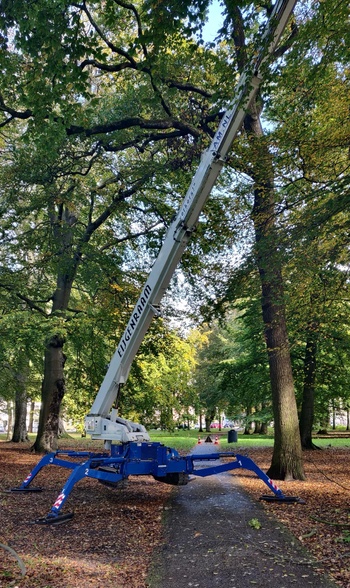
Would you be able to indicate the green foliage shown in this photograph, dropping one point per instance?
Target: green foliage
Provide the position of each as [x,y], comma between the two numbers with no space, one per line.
[104,114]
[159,390]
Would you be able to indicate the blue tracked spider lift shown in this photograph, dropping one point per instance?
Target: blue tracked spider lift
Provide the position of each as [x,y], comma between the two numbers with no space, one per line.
[128,449]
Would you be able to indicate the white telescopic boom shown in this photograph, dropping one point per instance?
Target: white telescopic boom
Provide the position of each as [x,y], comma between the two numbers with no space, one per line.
[181,229]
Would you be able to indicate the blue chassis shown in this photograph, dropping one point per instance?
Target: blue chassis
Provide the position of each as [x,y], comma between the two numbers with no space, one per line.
[136,459]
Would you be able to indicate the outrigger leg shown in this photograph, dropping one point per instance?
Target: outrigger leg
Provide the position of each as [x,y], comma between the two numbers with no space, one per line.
[98,468]
[25,486]
[248,464]
[138,459]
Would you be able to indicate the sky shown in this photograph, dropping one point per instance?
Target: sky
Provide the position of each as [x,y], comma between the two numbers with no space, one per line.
[214,22]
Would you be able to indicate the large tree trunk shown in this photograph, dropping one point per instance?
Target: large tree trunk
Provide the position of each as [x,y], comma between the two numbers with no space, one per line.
[287,456]
[307,408]
[53,388]
[287,453]
[20,425]
[334,414]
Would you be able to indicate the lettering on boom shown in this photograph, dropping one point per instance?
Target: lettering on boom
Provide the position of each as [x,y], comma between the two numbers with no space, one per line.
[217,141]
[213,153]
[141,303]
[187,201]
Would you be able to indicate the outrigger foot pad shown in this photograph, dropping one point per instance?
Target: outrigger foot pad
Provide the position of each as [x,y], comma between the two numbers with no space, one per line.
[288,499]
[26,489]
[52,519]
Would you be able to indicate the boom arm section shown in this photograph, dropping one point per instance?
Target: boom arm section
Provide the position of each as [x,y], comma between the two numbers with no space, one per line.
[98,423]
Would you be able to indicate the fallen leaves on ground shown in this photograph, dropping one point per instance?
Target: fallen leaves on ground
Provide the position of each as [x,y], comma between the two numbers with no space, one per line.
[111,540]
[322,525]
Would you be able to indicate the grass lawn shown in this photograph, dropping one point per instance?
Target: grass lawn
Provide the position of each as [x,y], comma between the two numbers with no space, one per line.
[184,440]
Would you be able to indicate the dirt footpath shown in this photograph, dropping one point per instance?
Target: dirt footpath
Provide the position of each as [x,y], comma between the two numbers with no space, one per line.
[212,540]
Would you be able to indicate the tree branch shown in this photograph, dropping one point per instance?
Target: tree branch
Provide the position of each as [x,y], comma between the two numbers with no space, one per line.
[109,44]
[13,113]
[25,299]
[289,42]
[105,66]
[188,88]
[129,237]
[135,121]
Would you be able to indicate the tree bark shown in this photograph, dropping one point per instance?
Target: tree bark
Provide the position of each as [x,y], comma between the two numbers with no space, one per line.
[306,420]
[334,414]
[264,429]
[287,454]
[31,416]
[53,388]
[257,428]
[62,433]
[248,427]
[53,385]
[10,420]
[324,417]
[20,424]
[209,417]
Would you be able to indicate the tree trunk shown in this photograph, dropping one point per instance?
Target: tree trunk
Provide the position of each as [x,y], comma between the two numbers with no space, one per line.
[248,426]
[9,421]
[324,418]
[263,429]
[334,414]
[62,433]
[347,418]
[53,388]
[31,416]
[257,428]
[201,422]
[307,408]
[287,453]
[208,420]
[20,425]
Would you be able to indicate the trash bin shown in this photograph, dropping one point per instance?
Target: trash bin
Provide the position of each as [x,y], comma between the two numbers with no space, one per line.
[232,436]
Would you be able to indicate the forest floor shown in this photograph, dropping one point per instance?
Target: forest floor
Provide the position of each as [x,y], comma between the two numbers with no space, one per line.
[113,536]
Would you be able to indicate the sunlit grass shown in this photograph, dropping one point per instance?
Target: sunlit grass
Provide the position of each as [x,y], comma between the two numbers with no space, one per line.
[185,440]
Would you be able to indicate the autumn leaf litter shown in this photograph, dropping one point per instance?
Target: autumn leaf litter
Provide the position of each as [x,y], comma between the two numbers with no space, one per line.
[111,540]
